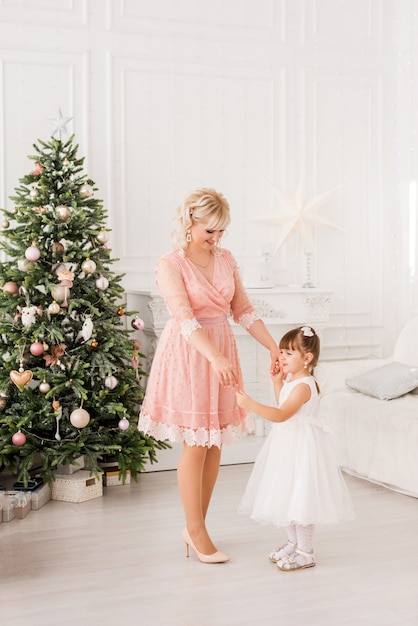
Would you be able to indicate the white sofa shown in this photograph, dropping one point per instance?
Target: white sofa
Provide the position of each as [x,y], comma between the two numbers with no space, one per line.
[374,439]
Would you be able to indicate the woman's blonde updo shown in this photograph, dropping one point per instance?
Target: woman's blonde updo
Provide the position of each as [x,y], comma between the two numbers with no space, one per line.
[202,205]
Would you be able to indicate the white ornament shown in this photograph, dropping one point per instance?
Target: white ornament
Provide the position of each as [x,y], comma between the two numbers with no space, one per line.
[87,330]
[64,212]
[103,237]
[44,387]
[29,315]
[111,382]
[34,193]
[102,283]
[24,265]
[32,253]
[88,266]
[79,418]
[86,190]
[54,308]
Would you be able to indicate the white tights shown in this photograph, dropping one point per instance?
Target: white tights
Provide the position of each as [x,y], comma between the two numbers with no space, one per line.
[302,536]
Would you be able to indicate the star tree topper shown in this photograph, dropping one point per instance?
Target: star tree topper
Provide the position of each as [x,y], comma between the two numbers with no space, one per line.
[297,215]
[60,124]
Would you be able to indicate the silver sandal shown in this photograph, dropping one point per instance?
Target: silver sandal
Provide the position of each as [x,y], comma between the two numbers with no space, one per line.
[281,553]
[291,562]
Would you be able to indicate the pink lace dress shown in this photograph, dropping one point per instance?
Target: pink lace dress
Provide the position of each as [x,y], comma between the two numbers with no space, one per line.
[184,400]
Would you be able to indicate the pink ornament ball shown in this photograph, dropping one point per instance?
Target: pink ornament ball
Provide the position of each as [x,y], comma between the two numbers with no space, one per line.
[36,348]
[138,323]
[123,424]
[10,288]
[32,253]
[61,268]
[79,418]
[19,439]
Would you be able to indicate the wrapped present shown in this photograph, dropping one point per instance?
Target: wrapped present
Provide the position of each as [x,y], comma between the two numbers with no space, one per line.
[111,478]
[77,487]
[77,465]
[16,504]
[40,496]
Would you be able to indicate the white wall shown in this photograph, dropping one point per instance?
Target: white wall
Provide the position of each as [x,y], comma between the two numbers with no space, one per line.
[240,95]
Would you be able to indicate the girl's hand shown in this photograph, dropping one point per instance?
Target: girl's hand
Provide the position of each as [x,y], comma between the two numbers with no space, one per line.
[225,371]
[242,399]
[278,376]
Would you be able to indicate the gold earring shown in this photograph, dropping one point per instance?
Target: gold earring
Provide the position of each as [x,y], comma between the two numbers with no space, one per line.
[188,236]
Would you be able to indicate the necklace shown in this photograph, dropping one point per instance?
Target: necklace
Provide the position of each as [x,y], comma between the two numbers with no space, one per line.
[199,264]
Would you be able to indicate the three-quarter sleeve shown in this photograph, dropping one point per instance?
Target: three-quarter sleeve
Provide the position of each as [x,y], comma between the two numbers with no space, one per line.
[242,309]
[173,290]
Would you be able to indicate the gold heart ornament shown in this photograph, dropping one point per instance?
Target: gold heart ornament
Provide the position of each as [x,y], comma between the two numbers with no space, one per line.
[21,379]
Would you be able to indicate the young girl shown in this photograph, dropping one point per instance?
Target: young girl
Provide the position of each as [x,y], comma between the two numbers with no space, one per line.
[295,481]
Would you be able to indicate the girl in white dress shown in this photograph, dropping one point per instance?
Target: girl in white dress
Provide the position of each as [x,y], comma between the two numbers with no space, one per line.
[295,482]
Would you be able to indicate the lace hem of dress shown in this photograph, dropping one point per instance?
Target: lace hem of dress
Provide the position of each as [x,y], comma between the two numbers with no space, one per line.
[248,319]
[188,326]
[199,437]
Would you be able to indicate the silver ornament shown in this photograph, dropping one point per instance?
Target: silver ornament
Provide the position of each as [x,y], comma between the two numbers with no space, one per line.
[103,237]
[88,266]
[86,190]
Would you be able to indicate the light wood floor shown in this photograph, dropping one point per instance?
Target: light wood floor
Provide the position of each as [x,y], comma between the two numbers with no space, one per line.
[119,560]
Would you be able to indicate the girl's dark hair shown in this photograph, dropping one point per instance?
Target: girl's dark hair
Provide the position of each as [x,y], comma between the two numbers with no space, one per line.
[303,339]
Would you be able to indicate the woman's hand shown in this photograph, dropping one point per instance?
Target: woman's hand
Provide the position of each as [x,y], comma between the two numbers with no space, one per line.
[242,399]
[275,360]
[225,371]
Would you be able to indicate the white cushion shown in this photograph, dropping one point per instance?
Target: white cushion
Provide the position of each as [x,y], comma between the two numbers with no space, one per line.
[386,382]
[331,375]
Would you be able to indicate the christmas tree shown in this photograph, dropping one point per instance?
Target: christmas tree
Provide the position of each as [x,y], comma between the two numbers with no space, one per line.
[70,384]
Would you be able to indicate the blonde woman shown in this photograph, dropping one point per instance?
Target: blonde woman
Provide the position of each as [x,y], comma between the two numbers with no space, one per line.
[195,372]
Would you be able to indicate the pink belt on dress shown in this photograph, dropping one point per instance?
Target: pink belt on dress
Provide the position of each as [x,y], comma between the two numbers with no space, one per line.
[212,320]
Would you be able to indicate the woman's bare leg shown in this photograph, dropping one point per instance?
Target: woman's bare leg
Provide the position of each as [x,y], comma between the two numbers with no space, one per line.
[210,474]
[196,475]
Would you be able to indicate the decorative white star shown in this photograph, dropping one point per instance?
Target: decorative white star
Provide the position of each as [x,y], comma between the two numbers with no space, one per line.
[298,216]
[60,124]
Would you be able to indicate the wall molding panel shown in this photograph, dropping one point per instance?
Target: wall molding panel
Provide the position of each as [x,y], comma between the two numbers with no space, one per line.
[243,96]
[41,12]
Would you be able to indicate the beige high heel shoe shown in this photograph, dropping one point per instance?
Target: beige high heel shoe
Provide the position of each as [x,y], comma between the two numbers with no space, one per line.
[216,557]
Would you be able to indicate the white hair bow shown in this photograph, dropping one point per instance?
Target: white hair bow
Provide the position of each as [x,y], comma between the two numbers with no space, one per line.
[307,331]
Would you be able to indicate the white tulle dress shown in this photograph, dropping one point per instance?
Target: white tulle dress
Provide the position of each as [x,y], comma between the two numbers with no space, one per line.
[295,479]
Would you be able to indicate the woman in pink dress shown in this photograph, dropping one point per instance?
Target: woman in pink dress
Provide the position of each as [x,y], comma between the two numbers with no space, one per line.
[190,393]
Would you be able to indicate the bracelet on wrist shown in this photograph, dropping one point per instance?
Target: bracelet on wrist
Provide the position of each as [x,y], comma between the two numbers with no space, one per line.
[215,357]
